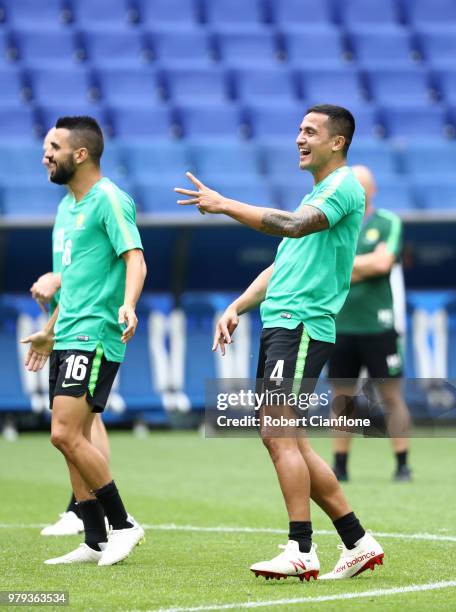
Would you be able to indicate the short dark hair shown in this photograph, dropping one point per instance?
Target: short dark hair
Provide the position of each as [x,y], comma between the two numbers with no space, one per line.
[341,120]
[85,132]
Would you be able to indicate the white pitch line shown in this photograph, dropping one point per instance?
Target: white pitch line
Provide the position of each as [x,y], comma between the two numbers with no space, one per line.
[222,529]
[307,600]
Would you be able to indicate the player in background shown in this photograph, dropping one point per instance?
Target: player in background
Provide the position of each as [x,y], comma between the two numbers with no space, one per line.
[45,290]
[367,334]
[102,276]
[300,295]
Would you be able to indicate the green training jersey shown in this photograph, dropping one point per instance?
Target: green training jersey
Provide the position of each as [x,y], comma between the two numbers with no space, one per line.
[58,233]
[311,275]
[91,236]
[369,305]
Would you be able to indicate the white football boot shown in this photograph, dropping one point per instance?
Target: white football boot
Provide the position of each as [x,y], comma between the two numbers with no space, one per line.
[68,524]
[82,554]
[290,562]
[367,554]
[121,542]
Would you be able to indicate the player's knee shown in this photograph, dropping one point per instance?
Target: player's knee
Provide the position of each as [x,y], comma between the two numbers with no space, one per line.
[275,446]
[59,438]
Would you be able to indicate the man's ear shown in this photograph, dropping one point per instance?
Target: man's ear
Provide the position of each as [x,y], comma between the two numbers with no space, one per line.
[80,155]
[339,143]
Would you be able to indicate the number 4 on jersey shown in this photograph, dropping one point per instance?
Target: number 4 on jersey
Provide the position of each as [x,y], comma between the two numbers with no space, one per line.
[277,372]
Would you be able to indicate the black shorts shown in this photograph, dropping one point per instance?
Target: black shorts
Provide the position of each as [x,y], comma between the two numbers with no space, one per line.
[74,373]
[290,361]
[379,353]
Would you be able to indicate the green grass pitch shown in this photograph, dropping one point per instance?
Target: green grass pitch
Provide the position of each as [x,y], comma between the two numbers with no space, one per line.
[186,480]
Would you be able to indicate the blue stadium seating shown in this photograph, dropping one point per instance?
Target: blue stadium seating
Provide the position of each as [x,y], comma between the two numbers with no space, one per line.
[157,196]
[243,48]
[53,47]
[221,13]
[407,86]
[290,12]
[177,48]
[434,193]
[114,47]
[205,122]
[423,12]
[333,86]
[436,158]
[271,122]
[17,122]
[367,121]
[156,160]
[192,85]
[88,12]
[377,155]
[135,85]
[438,44]
[30,200]
[168,12]
[141,122]
[22,162]
[413,122]
[251,190]
[49,114]
[281,160]
[259,84]
[369,11]
[318,46]
[394,193]
[376,46]
[446,82]
[31,12]
[52,85]
[211,160]
[12,89]
[289,193]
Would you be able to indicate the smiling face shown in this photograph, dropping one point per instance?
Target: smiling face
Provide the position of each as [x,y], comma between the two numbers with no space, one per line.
[316,143]
[58,156]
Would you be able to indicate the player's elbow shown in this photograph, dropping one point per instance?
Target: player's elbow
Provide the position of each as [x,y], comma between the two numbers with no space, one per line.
[384,264]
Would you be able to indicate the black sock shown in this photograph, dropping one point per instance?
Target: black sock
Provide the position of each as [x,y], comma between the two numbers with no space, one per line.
[349,529]
[112,504]
[92,516]
[73,506]
[340,462]
[401,459]
[301,532]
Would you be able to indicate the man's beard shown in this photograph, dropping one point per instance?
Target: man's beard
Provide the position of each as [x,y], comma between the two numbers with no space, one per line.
[63,172]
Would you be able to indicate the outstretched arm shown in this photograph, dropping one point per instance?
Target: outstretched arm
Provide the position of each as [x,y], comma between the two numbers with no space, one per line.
[252,296]
[307,220]
[136,271]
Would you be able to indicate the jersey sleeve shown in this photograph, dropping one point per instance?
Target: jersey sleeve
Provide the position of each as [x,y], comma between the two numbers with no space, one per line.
[333,201]
[393,236]
[119,217]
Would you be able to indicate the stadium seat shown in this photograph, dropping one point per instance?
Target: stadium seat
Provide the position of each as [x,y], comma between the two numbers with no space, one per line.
[157,160]
[221,13]
[12,88]
[51,85]
[21,162]
[290,12]
[377,46]
[438,44]
[394,193]
[113,164]
[379,156]
[369,11]
[28,200]
[195,86]
[168,12]
[141,122]
[407,86]
[272,122]
[157,196]
[49,114]
[53,47]
[31,12]
[281,160]
[318,46]
[114,46]
[423,12]
[128,85]
[239,49]
[333,86]
[414,122]
[89,12]
[177,48]
[251,190]
[434,193]
[446,82]
[264,85]
[213,160]
[436,158]
[210,121]
[16,123]
[290,193]
[368,124]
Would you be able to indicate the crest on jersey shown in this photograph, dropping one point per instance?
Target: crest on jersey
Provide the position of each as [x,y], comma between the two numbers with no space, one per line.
[372,234]
[80,221]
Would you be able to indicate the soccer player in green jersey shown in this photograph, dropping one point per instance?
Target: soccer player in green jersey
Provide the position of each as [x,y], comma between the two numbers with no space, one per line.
[300,295]
[102,276]
[366,329]
[45,290]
